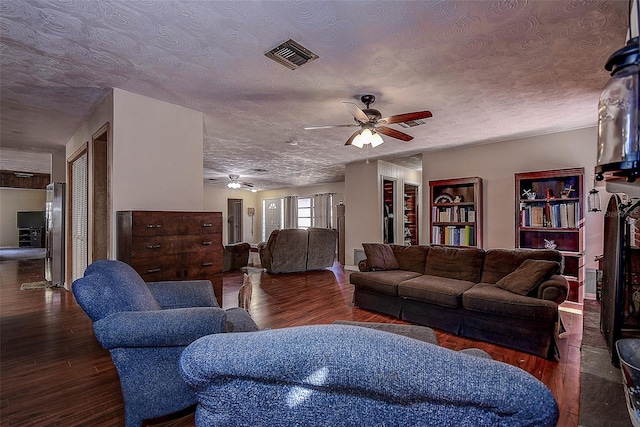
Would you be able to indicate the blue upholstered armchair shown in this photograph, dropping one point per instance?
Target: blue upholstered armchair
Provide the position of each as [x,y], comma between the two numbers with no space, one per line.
[337,375]
[146,326]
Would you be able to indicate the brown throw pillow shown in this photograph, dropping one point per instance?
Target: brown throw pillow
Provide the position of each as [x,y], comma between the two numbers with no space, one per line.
[380,256]
[528,276]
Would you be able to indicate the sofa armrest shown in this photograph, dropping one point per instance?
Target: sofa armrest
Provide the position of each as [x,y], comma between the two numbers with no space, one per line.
[363,265]
[555,289]
[183,294]
[265,257]
[239,320]
[345,374]
[159,328]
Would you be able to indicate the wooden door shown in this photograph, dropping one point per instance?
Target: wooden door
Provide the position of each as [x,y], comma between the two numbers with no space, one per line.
[272,217]
[234,220]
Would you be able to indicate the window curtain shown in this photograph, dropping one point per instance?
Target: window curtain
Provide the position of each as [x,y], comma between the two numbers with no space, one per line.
[291,212]
[322,209]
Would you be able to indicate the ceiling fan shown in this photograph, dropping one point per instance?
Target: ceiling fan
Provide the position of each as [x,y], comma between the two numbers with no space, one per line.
[372,124]
[234,184]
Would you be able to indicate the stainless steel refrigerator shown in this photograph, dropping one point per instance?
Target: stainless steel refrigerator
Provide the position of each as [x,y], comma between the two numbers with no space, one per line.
[54,236]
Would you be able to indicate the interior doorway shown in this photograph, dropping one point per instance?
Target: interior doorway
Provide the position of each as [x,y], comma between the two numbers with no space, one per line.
[234,220]
[77,214]
[100,195]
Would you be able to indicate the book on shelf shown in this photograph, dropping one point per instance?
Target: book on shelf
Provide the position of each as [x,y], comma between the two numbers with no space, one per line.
[564,218]
[571,215]
[553,215]
[555,219]
[452,235]
[525,214]
[436,235]
[453,214]
[537,216]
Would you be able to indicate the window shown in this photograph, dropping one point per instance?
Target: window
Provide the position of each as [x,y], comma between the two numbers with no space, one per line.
[304,212]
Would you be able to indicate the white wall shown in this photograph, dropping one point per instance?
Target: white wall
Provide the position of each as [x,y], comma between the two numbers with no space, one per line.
[215,200]
[99,117]
[498,162]
[363,201]
[157,155]
[13,200]
[58,166]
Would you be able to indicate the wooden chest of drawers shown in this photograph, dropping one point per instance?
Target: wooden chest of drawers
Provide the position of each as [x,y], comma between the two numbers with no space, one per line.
[162,245]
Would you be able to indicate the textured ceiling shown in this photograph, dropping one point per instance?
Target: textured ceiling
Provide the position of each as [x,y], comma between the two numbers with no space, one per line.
[487,70]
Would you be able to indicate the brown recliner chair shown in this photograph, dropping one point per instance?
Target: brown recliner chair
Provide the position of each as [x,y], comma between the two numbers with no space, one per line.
[294,250]
[235,256]
[321,252]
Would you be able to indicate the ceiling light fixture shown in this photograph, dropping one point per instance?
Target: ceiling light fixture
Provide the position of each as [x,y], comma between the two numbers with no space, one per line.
[234,184]
[367,137]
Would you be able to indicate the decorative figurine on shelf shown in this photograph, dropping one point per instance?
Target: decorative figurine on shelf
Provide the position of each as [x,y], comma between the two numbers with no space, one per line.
[458,199]
[548,194]
[529,194]
[549,244]
[566,193]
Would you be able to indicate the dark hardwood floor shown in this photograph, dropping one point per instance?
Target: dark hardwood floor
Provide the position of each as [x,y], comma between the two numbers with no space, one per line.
[54,373]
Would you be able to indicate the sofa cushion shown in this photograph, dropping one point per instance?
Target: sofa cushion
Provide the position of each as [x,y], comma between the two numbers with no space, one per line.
[380,256]
[383,282]
[500,262]
[487,298]
[411,258]
[528,276]
[460,263]
[435,290]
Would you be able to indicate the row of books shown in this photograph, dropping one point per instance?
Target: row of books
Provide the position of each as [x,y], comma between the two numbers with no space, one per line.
[562,215]
[452,235]
[453,214]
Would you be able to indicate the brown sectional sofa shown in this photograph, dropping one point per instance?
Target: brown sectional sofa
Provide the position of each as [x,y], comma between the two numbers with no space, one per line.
[508,297]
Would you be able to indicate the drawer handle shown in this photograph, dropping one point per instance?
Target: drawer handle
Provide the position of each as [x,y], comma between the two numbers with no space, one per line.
[154,225]
[209,243]
[154,270]
[207,224]
[207,264]
[158,246]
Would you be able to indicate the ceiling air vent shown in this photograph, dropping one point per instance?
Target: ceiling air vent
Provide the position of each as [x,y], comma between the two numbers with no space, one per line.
[412,123]
[291,54]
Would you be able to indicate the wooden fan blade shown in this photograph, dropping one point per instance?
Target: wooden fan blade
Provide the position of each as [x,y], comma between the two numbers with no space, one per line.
[399,118]
[393,133]
[350,140]
[356,112]
[330,126]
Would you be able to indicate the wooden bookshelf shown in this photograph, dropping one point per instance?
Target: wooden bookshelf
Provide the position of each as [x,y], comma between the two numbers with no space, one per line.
[388,210]
[411,219]
[456,212]
[550,210]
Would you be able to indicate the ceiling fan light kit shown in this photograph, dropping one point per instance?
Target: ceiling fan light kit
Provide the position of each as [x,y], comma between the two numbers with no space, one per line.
[234,184]
[367,137]
[372,124]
